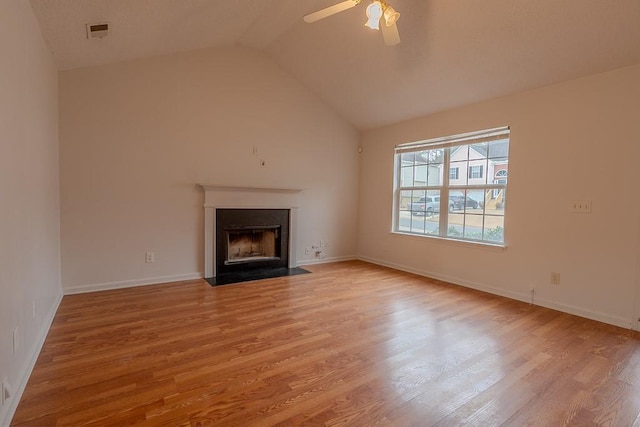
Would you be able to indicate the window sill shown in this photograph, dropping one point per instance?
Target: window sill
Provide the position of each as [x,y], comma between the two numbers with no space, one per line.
[493,247]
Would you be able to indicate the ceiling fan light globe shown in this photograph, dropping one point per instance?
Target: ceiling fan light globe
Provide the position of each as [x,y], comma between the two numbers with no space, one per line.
[390,16]
[374,13]
[373,24]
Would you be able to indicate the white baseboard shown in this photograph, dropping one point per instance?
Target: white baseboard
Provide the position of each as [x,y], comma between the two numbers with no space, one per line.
[130,283]
[519,296]
[304,262]
[23,377]
[175,278]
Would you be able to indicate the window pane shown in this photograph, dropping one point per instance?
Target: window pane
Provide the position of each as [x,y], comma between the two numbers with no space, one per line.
[435,175]
[436,156]
[474,201]
[405,210]
[478,151]
[477,172]
[495,202]
[473,226]
[466,200]
[462,175]
[417,224]
[459,153]
[416,204]
[494,216]
[494,229]
[500,171]
[404,221]
[420,176]
[421,157]
[431,203]
[499,148]
[407,159]
[432,224]
[406,176]
[455,225]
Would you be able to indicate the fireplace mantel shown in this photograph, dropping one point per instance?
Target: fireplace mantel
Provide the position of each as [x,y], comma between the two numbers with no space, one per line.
[249,189]
[238,197]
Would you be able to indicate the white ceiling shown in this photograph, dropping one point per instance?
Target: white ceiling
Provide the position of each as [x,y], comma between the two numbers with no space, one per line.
[453,52]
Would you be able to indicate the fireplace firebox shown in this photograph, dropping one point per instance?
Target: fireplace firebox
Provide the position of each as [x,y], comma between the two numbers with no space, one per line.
[248,239]
[250,244]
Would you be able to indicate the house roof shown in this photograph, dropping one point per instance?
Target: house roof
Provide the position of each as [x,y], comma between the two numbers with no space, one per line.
[452,53]
[495,149]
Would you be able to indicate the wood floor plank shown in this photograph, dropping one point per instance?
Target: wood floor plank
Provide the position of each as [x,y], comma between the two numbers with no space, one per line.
[352,344]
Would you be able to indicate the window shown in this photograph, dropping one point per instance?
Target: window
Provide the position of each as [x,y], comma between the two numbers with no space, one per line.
[471,207]
[475,171]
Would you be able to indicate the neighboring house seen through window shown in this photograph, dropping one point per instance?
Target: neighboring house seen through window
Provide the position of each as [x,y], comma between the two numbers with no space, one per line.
[468,202]
[475,171]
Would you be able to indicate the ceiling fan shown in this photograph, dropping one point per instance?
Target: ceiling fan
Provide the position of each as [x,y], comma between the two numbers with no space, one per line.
[376,11]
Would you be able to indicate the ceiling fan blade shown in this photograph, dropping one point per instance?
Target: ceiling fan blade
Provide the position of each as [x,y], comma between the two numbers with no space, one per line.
[390,34]
[331,10]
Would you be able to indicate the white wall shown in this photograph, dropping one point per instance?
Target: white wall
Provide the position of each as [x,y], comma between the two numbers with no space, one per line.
[575,140]
[29,196]
[136,137]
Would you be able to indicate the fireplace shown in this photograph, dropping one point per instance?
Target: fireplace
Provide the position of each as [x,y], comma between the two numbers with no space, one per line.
[251,239]
[222,203]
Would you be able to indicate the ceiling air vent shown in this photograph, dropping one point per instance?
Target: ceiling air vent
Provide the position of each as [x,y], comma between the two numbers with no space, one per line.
[97,31]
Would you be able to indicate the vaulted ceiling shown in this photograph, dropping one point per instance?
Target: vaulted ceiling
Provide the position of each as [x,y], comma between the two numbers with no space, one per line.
[453,52]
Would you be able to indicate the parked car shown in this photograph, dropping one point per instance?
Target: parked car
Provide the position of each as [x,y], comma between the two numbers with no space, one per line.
[424,206]
[428,206]
[460,202]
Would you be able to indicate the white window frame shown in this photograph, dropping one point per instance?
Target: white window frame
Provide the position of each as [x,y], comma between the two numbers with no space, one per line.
[445,187]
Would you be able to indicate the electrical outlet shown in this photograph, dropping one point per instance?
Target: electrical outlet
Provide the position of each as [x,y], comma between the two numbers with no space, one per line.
[580,206]
[150,257]
[307,251]
[555,278]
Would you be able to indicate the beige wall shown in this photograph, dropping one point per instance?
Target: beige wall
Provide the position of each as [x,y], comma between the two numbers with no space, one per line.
[29,196]
[572,141]
[136,137]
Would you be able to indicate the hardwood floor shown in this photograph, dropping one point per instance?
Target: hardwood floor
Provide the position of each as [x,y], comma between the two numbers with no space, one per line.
[351,344]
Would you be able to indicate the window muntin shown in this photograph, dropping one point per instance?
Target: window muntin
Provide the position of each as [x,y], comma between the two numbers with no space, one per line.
[468,202]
